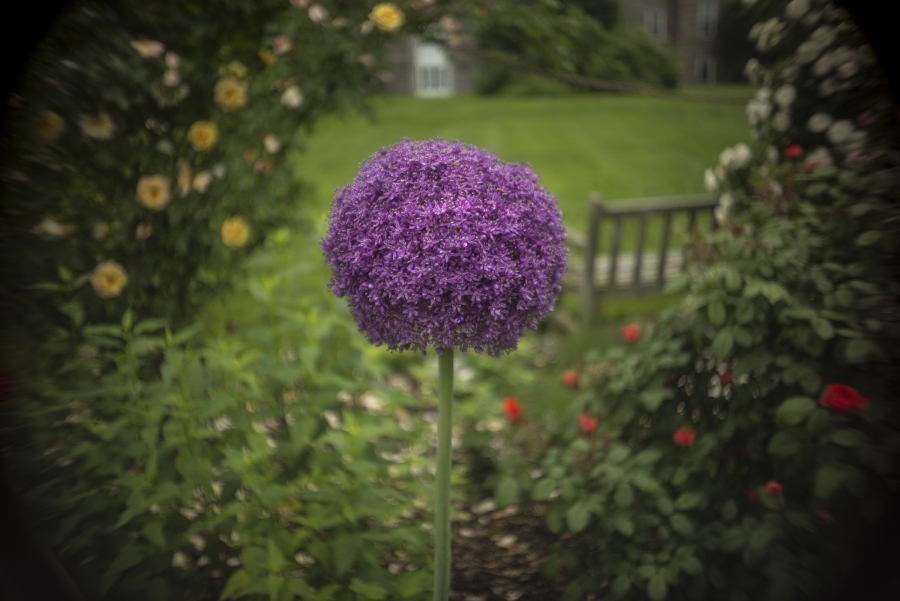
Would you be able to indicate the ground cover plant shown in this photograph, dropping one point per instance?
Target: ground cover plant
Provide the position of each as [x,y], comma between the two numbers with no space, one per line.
[738,447]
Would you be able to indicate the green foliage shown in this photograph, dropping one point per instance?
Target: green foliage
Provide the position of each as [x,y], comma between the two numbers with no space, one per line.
[567,38]
[767,489]
[266,463]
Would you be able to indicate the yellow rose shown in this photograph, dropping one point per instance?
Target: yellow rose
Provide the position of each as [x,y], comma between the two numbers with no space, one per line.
[108,280]
[203,135]
[230,94]
[99,126]
[235,232]
[267,56]
[236,69]
[50,126]
[387,17]
[153,192]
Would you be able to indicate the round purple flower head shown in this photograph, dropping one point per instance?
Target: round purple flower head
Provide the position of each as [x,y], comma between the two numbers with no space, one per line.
[441,245]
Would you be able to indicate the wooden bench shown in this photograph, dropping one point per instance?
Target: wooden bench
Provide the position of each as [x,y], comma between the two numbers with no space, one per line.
[644,271]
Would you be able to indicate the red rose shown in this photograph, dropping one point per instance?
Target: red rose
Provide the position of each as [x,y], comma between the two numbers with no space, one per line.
[512,409]
[725,379]
[587,423]
[793,152]
[751,496]
[631,333]
[7,384]
[684,437]
[823,517]
[773,488]
[843,399]
[570,378]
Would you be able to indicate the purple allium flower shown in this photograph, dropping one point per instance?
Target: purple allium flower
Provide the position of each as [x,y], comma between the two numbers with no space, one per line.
[441,245]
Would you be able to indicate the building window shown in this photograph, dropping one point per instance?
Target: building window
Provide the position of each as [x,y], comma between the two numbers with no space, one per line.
[705,69]
[656,23]
[432,70]
[707,19]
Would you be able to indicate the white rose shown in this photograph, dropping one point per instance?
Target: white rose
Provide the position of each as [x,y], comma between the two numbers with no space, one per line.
[840,131]
[752,69]
[785,95]
[709,181]
[781,121]
[823,65]
[818,122]
[848,69]
[272,143]
[292,97]
[796,9]
[823,37]
[179,560]
[772,154]
[726,157]
[828,86]
[807,52]
[741,156]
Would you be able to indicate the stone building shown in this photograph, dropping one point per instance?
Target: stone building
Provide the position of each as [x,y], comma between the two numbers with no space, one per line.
[689,27]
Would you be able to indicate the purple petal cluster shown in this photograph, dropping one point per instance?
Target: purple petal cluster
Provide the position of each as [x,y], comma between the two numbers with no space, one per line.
[441,245]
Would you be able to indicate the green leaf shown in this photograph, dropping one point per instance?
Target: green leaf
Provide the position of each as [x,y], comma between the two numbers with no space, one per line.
[868,238]
[729,510]
[275,561]
[664,504]
[648,457]
[858,350]
[681,524]
[827,480]
[783,444]
[742,337]
[822,328]
[848,438]
[573,592]
[688,501]
[577,517]
[542,489]
[657,589]
[722,344]
[733,281]
[794,410]
[691,566]
[507,491]
[238,581]
[653,397]
[647,484]
[367,590]
[679,476]
[127,320]
[762,537]
[733,539]
[130,555]
[717,314]
[154,533]
[620,586]
[744,314]
[624,525]
[624,496]
[344,548]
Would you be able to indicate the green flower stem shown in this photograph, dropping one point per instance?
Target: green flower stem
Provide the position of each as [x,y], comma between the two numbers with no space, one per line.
[442,478]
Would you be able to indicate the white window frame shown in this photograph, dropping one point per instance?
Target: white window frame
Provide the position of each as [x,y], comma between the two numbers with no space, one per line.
[707,19]
[656,23]
[709,63]
[433,75]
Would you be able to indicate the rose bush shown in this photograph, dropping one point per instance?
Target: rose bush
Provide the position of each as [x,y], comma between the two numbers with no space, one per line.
[747,439]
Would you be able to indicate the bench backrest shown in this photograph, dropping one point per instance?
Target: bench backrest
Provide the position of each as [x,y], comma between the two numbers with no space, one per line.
[641,209]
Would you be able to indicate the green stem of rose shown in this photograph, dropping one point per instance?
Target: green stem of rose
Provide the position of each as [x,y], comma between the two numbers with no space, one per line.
[442,478]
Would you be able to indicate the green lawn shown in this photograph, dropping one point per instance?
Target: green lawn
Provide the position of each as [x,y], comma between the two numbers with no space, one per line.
[621,146]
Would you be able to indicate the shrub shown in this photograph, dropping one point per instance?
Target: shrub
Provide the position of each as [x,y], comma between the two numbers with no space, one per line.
[747,438]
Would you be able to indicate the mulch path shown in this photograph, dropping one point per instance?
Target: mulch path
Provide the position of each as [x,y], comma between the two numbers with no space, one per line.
[498,556]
